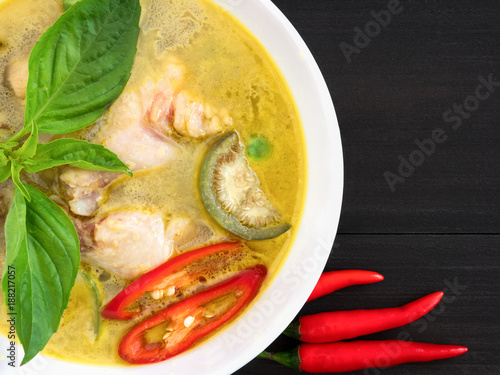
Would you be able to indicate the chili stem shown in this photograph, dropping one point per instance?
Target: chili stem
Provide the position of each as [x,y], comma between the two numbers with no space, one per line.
[288,358]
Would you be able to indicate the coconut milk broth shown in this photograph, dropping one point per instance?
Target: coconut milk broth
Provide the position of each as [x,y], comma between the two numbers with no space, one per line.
[224,65]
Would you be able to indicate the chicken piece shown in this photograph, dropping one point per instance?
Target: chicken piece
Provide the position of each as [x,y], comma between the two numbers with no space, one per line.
[83,189]
[193,119]
[17,77]
[132,131]
[129,243]
[189,234]
[177,228]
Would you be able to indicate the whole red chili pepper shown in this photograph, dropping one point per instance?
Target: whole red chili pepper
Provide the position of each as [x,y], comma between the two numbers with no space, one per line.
[358,355]
[330,282]
[342,325]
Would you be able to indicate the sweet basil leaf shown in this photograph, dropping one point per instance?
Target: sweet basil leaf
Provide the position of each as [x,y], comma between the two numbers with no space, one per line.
[69,3]
[81,64]
[15,173]
[78,153]
[44,251]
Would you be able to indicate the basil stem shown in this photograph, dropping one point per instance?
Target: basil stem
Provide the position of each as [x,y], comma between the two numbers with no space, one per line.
[79,66]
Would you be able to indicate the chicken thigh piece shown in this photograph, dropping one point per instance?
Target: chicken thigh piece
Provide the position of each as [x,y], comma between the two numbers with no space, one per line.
[129,243]
[129,132]
[83,188]
[188,234]
[195,119]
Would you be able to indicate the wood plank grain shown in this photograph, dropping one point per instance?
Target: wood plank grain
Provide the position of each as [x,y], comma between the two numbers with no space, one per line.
[394,93]
[465,267]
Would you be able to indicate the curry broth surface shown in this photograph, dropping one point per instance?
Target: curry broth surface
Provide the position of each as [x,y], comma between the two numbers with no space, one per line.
[226,67]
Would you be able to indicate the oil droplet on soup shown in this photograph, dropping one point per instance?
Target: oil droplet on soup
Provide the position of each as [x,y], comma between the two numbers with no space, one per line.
[224,65]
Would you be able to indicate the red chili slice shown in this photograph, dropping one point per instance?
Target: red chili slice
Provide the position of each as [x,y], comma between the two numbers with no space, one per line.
[178,272]
[186,322]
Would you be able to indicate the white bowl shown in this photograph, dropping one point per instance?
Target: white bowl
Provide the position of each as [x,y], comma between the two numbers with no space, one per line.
[273,311]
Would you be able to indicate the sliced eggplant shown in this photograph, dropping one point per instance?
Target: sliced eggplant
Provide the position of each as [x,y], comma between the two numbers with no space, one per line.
[231,193]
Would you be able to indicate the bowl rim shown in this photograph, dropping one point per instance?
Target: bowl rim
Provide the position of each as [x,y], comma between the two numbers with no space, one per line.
[319,221]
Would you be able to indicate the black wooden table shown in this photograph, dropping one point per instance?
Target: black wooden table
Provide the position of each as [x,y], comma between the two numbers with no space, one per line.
[417,101]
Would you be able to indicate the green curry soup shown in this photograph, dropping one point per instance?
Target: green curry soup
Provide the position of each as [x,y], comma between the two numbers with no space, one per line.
[222,65]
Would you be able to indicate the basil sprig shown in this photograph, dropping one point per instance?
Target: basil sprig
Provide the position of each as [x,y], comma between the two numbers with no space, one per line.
[78,68]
